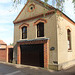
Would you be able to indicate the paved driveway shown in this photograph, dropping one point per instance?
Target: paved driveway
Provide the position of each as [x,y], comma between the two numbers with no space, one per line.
[9,69]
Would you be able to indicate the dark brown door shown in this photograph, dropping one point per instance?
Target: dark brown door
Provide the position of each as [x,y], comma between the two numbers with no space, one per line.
[32,55]
[10,55]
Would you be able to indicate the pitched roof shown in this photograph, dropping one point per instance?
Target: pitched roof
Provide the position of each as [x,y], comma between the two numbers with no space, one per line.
[2,42]
[49,6]
[49,12]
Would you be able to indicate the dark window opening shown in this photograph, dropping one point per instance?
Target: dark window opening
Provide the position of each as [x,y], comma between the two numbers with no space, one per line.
[40,29]
[24,32]
[69,39]
[31,8]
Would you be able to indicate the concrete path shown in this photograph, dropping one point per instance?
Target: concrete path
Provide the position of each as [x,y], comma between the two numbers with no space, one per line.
[11,69]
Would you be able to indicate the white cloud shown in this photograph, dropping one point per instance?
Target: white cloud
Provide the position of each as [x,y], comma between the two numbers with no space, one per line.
[9,14]
[10,10]
[69,9]
[5,1]
[6,21]
[6,28]
[3,29]
[6,33]
[7,40]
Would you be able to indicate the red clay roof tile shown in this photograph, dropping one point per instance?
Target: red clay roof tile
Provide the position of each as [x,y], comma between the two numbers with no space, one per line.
[2,42]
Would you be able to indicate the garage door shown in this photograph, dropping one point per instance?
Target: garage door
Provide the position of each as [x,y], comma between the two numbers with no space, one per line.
[32,55]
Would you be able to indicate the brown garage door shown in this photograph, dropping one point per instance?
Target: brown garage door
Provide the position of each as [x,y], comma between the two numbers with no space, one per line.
[32,55]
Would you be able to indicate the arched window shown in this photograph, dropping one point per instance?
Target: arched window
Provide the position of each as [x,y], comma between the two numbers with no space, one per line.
[40,29]
[24,32]
[69,38]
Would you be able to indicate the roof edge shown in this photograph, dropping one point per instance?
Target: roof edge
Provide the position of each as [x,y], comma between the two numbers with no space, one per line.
[28,2]
[21,10]
[40,15]
[65,16]
[33,40]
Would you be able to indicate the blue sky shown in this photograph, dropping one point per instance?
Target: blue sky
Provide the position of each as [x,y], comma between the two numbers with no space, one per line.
[8,13]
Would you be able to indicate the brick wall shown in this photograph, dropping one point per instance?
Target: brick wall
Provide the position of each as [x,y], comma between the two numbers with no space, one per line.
[3,55]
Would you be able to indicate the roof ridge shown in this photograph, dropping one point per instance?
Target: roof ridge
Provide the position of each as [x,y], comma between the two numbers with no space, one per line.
[46,4]
[28,2]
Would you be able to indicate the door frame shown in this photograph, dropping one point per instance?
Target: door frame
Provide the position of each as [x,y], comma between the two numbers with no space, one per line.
[46,50]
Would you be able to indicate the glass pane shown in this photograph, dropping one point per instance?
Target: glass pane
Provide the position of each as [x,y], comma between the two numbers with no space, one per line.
[40,30]
[24,32]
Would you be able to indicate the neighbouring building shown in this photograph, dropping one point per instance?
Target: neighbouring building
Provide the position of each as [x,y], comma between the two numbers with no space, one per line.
[44,37]
[3,51]
[6,52]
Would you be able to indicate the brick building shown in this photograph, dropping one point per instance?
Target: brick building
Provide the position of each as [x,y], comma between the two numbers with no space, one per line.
[44,41]
[3,51]
[6,52]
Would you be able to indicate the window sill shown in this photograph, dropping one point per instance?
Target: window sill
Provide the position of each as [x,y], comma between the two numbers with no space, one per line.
[41,37]
[69,50]
[24,39]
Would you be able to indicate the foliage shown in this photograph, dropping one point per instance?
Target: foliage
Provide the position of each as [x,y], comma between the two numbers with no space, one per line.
[73,3]
[11,44]
[57,3]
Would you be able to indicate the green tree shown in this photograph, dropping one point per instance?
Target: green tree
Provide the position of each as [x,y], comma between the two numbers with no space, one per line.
[11,44]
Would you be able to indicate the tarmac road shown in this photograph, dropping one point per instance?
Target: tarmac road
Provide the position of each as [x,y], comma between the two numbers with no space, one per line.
[9,69]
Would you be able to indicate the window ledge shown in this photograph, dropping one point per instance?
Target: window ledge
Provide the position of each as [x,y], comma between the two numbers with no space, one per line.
[24,39]
[69,50]
[41,37]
